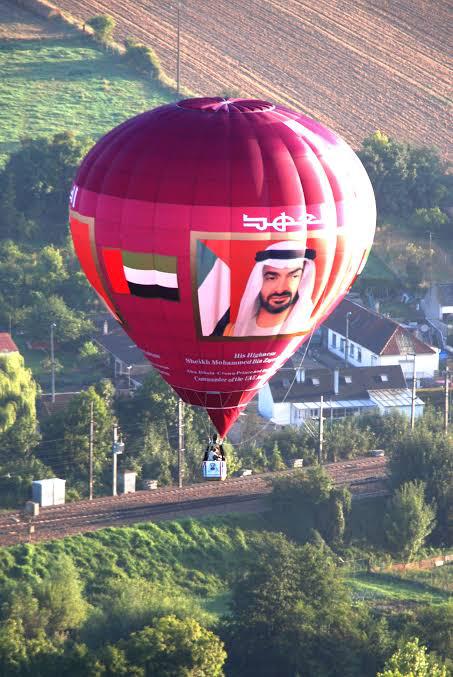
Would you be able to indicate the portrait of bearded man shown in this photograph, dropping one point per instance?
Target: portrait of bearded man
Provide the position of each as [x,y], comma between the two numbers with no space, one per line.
[278,294]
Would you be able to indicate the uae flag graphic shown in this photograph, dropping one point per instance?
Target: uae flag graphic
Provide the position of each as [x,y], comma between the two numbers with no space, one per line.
[151,276]
[213,282]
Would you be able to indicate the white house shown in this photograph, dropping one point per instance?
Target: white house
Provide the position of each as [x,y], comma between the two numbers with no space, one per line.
[438,302]
[292,397]
[373,340]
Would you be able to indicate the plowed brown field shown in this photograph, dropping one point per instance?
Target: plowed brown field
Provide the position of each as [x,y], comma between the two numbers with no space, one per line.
[356,65]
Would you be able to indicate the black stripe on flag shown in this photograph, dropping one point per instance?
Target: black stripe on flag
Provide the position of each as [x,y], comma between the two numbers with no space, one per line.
[153,291]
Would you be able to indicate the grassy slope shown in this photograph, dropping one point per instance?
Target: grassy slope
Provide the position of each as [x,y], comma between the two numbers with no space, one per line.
[49,86]
[200,558]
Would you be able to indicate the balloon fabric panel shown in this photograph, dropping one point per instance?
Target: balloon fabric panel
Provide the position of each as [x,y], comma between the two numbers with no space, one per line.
[223,232]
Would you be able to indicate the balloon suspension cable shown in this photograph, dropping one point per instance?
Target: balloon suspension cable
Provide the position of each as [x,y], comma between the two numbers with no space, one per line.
[307,345]
[265,425]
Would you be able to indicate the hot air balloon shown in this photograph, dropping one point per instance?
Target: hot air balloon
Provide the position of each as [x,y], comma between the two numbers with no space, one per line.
[220,234]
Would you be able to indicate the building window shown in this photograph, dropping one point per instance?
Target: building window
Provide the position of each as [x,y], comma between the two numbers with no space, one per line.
[351,350]
[334,340]
[359,354]
[342,344]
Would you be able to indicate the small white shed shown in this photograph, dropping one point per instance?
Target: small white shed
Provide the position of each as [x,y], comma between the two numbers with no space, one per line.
[49,492]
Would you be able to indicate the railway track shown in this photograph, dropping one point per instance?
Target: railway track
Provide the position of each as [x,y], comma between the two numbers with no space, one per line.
[366,478]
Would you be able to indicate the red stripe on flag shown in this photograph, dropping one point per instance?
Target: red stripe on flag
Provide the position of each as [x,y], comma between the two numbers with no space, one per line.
[114,267]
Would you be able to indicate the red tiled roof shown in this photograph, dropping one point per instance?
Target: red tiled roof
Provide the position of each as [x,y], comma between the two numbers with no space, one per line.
[378,334]
[7,344]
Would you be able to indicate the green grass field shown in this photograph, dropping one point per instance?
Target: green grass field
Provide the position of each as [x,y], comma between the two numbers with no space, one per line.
[424,587]
[49,86]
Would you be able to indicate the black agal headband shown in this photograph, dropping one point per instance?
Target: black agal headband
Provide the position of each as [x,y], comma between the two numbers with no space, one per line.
[285,254]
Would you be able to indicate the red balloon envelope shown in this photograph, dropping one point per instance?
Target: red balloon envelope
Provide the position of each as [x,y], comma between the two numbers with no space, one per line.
[220,234]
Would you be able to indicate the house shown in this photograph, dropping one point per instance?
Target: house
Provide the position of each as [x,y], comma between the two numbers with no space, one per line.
[126,359]
[7,344]
[438,302]
[293,396]
[374,340]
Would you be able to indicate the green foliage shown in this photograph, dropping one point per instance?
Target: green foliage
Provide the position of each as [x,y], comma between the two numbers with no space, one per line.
[90,354]
[37,179]
[412,660]
[18,391]
[409,520]
[173,647]
[426,455]
[128,605]
[28,278]
[143,59]
[347,438]
[37,617]
[307,501]
[103,26]
[291,615]
[18,428]
[433,219]
[66,437]
[72,325]
[433,625]
[404,178]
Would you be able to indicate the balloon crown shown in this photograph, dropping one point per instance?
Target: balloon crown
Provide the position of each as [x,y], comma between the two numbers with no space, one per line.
[218,104]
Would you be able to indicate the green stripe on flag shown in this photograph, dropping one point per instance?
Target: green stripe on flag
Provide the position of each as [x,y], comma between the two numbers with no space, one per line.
[205,262]
[139,261]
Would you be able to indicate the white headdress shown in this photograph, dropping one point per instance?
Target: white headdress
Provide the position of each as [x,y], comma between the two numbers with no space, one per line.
[290,255]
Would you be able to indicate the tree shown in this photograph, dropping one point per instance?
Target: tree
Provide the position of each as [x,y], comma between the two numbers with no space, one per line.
[18,423]
[172,647]
[66,437]
[275,460]
[290,614]
[61,599]
[412,660]
[90,354]
[35,184]
[347,438]
[72,325]
[426,455]
[404,177]
[307,501]
[432,219]
[103,26]
[409,520]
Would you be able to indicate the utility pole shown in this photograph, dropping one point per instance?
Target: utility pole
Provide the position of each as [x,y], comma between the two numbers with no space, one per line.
[52,359]
[117,448]
[180,441]
[178,44]
[346,345]
[414,394]
[321,430]
[91,451]
[447,393]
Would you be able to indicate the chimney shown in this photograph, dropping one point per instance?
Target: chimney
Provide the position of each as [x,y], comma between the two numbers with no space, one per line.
[105,329]
[336,380]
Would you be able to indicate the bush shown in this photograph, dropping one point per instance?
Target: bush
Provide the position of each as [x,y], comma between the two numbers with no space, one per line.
[103,26]
[143,59]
